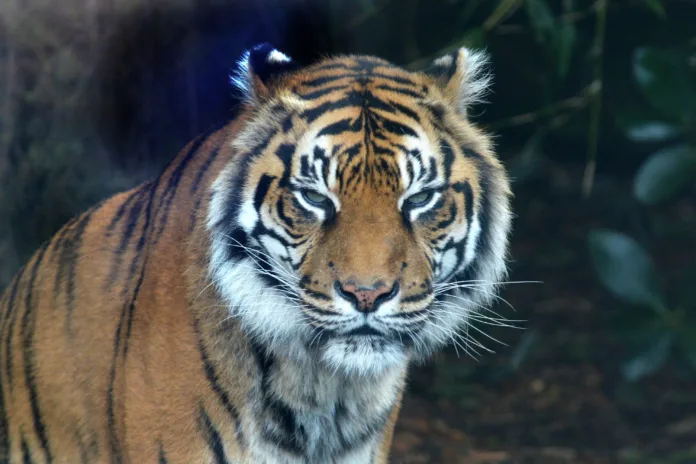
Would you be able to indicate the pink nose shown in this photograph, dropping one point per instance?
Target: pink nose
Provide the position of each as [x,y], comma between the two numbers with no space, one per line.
[366,299]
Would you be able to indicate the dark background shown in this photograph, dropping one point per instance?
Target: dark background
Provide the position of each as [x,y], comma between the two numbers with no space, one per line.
[594,107]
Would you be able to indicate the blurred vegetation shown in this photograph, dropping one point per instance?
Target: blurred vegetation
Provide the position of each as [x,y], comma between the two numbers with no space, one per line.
[593,101]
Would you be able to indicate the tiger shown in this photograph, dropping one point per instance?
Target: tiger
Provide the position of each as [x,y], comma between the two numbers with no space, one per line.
[262,299]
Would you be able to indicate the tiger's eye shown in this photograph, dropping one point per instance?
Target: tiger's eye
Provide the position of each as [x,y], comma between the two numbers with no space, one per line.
[419,199]
[315,198]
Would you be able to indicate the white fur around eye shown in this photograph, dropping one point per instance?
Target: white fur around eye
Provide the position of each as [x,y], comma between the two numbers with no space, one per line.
[413,213]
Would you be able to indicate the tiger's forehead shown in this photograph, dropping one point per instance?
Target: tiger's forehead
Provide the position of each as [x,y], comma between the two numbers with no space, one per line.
[366,125]
[339,73]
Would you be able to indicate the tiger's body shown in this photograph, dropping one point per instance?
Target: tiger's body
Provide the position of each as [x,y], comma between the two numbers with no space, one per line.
[260,301]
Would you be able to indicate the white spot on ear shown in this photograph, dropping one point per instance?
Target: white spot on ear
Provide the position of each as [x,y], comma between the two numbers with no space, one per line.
[443,61]
[278,57]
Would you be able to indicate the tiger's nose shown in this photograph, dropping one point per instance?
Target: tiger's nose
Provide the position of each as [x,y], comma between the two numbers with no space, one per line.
[366,299]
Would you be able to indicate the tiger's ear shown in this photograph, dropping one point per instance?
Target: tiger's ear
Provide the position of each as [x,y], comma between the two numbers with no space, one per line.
[256,70]
[462,76]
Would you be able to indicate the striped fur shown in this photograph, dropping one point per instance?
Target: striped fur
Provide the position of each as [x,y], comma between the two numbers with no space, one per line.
[261,299]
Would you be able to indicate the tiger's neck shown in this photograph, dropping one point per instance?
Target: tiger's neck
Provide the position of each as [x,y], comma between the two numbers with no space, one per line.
[289,402]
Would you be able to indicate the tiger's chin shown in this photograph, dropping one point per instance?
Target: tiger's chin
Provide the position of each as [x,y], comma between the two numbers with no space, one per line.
[364,354]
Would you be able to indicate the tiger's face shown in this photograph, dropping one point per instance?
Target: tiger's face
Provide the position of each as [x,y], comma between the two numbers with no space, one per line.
[363,217]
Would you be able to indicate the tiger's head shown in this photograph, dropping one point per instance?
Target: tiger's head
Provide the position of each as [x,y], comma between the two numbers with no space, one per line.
[363,218]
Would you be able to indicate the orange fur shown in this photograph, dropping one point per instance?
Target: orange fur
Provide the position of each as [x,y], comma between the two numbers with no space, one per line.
[115,344]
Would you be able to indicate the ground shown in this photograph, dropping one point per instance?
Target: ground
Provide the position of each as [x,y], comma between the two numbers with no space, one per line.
[556,394]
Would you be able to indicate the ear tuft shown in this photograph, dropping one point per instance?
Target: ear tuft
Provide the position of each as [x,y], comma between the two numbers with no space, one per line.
[463,76]
[257,68]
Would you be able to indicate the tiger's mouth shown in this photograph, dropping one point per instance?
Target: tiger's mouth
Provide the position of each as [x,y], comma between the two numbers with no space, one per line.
[363,331]
[373,334]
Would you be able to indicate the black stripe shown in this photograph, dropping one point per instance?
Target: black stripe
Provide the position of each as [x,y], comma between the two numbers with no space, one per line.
[121,211]
[368,431]
[485,235]
[450,219]
[68,263]
[398,80]
[173,184]
[465,187]
[400,90]
[126,319]
[319,296]
[322,92]
[28,327]
[416,298]
[60,238]
[194,214]
[203,169]
[285,153]
[114,441]
[212,437]
[162,455]
[306,170]
[235,201]
[405,110]
[10,317]
[448,161]
[131,308]
[293,437]
[212,376]
[331,66]
[397,128]
[286,125]
[438,112]
[261,190]
[144,238]
[350,99]
[129,230]
[62,247]
[26,454]
[319,81]
[280,211]
[469,153]
[344,125]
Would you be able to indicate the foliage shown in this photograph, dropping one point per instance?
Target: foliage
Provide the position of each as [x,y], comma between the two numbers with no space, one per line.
[624,267]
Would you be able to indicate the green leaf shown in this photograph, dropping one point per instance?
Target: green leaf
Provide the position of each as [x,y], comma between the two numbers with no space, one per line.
[651,131]
[540,17]
[657,7]
[665,79]
[687,291]
[649,361]
[564,42]
[664,174]
[625,268]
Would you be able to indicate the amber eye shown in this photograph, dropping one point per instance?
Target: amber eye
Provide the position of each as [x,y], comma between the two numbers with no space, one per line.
[315,198]
[419,199]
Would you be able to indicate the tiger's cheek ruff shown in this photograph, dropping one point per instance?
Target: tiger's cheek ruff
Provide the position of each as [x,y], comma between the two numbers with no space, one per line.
[483,265]
[265,312]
